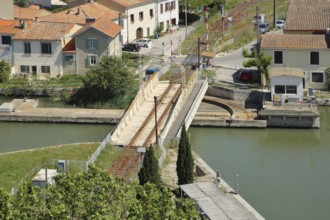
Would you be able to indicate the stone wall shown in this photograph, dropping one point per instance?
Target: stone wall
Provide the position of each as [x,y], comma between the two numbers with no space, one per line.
[253,97]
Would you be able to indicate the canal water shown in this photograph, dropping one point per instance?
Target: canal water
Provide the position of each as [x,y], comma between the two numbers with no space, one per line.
[282,173]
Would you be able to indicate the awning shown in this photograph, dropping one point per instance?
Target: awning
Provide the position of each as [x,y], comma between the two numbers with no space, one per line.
[286,71]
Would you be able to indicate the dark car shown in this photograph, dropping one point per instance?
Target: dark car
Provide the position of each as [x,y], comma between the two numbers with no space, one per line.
[131,47]
[150,71]
[245,75]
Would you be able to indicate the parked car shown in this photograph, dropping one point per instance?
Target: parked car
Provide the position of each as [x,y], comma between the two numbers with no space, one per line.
[263,28]
[144,42]
[245,75]
[131,47]
[280,24]
[150,71]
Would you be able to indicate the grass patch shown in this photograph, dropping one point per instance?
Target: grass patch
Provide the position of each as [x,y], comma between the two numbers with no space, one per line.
[15,166]
[321,94]
[106,157]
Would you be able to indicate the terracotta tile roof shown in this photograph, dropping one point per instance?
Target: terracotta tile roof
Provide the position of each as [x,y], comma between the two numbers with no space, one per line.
[104,25]
[93,10]
[9,26]
[293,41]
[70,46]
[121,5]
[312,15]
[29,13]
[43,31]
[285,71]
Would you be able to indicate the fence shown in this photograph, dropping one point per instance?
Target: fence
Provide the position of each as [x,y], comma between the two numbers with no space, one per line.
[99,149]
[71,166]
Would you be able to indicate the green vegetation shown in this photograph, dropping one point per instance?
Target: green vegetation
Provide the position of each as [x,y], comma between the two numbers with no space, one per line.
[21,3]
[107,156]
[15,166]
[4,71]
[107,84]
[185,161]
[259,60]
[149,171]
[242,30]
[327,75]
[95,194]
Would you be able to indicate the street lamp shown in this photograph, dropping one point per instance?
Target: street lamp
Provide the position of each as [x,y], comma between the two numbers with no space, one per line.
[155,99]
[236,184]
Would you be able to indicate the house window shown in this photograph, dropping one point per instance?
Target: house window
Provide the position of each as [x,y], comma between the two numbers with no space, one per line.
[317,77]
[92,60]
[161,9]
[92,43]
[278,57]
[291,89]
[6,40]
[285,89]
[46,48]
[167,6]
[315,58]
[132,18]
[141,15]
[151,12]
[27,47]
[25,69]
[69,57]
[45,69]
[279,89]
[173,5]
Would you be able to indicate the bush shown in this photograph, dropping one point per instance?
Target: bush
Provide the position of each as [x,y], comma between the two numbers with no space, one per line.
[4,71]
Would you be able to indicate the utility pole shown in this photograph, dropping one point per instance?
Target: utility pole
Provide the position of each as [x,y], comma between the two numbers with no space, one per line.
[274,20]
[198,52]
[156,129]
[258,30]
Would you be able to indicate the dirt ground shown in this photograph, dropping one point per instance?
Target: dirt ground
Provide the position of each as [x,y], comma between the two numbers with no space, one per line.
[168,171]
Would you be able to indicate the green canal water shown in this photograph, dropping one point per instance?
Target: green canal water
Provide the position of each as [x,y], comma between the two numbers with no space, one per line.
[283,173]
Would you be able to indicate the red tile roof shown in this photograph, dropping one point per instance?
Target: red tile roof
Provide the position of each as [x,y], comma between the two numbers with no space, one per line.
[29,13]
[293,41]
[79,14]
[9,26]
[43,31]
[121,5]
[104,25]
[308,15]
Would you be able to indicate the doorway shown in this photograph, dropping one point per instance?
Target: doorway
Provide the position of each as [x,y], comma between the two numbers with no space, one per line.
[139,33]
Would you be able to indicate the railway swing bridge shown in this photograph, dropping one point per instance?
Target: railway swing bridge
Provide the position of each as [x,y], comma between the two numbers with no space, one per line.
[160,107]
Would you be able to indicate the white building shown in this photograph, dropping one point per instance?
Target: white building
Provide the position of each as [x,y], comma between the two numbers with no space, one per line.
[37,48]
[167,11]
[286,84]
[141,16]
[308,52]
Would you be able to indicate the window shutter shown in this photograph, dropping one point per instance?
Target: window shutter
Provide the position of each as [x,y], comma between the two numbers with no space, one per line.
[86,62]
[96,44]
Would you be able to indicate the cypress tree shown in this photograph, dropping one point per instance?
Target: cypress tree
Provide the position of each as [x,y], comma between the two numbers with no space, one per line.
[149,171]
[185,161]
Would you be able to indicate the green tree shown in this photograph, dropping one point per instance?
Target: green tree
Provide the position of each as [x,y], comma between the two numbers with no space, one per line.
[21,3]
[108,81]
[94,195]
[258,60]
[185,161]
[5,207]
[149,171]
[4,71]
[327,73]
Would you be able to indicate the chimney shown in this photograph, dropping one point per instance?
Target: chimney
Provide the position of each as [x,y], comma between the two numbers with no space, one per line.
[22,24]
[78,12]
[90,1]
[36,19]
[90,20]
[68,12]
[327,37]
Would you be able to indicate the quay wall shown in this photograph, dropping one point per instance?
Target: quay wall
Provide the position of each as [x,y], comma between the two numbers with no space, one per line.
[227,123]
